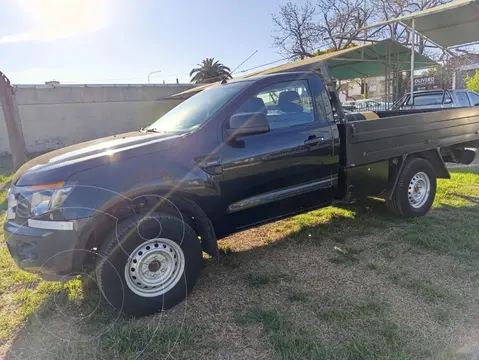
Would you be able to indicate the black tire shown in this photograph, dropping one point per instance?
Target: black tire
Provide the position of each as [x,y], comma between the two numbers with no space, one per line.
[399,203]
[115,253]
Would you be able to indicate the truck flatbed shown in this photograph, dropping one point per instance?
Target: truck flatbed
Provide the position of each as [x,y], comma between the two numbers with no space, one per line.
[395,133]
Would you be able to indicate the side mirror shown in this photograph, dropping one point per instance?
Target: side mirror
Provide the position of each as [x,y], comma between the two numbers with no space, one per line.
[447,101]
[247,124]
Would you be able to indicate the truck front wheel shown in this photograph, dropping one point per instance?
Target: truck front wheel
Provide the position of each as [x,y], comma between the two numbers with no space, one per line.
[148,264]
[415,190]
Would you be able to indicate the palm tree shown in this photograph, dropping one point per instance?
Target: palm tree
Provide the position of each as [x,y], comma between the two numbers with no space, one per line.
[210,71]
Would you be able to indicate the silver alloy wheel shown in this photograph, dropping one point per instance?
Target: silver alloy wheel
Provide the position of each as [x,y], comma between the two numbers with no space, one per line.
[419,189]
[154,267]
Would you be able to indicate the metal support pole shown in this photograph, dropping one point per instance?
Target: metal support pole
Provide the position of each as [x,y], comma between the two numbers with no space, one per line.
[430,41]
[387,74]
[365,34]
[413,51]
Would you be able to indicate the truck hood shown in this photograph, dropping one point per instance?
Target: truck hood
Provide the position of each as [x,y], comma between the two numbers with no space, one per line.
[60,164]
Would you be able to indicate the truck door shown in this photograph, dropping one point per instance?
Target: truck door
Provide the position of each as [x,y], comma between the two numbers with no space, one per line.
[286,170]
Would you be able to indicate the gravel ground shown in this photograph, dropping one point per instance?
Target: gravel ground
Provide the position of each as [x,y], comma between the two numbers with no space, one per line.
[475,163]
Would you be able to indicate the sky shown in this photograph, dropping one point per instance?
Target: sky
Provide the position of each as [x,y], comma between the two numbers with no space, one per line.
[122,41]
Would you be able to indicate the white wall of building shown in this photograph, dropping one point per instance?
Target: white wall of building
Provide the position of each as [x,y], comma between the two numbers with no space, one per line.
[61,115]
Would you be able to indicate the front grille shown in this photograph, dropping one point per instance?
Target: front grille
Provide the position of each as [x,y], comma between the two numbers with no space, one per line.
[23,207]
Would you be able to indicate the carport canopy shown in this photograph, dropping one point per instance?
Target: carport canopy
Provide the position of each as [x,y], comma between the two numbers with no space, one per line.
[360,61]
[452,24]
[366,60]
[445,26]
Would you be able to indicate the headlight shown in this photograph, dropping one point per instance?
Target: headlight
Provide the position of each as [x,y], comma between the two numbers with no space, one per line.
[41,199]
[47,200]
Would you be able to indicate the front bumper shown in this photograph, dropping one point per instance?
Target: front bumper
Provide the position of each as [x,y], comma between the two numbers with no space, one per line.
[45,251]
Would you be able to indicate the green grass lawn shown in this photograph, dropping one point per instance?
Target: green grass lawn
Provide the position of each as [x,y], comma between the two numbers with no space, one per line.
[347,282]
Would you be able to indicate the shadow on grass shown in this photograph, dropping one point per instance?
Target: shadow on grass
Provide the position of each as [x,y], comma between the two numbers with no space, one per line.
[465,170]
[79,310]
[468,198]
[77,323]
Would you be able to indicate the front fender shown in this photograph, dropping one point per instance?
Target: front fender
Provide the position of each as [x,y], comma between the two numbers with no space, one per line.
[101,188]
[109,193]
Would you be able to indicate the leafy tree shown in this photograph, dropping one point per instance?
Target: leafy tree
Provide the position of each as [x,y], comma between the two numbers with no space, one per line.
[472,82]
[210,71]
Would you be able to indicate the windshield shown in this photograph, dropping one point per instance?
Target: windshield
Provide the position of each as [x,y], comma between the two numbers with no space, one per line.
[192,113]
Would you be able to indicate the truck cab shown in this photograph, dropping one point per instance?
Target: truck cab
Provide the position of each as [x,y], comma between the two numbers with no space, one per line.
[292,166]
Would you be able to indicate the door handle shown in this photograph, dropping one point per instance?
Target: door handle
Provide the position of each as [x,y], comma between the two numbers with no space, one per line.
[313,140]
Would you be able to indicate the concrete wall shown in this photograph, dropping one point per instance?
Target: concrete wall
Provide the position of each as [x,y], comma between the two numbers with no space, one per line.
[61,115]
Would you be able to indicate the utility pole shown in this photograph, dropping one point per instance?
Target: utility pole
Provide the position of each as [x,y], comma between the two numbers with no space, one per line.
[153,72]
[12,120]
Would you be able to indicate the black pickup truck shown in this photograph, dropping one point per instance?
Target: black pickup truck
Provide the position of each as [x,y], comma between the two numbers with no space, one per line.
[139,208]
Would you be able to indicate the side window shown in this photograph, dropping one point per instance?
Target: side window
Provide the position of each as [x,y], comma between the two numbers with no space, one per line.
[474,98]
[462,98]
[428,99]
[286,104]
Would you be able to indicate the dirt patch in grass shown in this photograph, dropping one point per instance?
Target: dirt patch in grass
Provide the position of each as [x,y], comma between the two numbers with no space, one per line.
[348,282]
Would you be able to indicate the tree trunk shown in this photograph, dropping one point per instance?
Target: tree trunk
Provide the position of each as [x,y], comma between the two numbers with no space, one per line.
[12,120]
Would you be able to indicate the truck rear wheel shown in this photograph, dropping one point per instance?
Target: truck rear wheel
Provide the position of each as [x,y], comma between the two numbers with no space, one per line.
[415,190]
[149,264]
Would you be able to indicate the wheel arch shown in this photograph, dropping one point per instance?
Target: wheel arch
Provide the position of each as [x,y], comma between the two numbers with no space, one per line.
[122,207]
[436,160]
[433,156]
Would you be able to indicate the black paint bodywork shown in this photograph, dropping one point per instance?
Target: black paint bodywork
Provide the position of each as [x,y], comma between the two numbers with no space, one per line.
[242,182]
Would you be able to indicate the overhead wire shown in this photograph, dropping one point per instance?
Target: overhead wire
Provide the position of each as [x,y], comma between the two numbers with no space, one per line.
[178,76]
